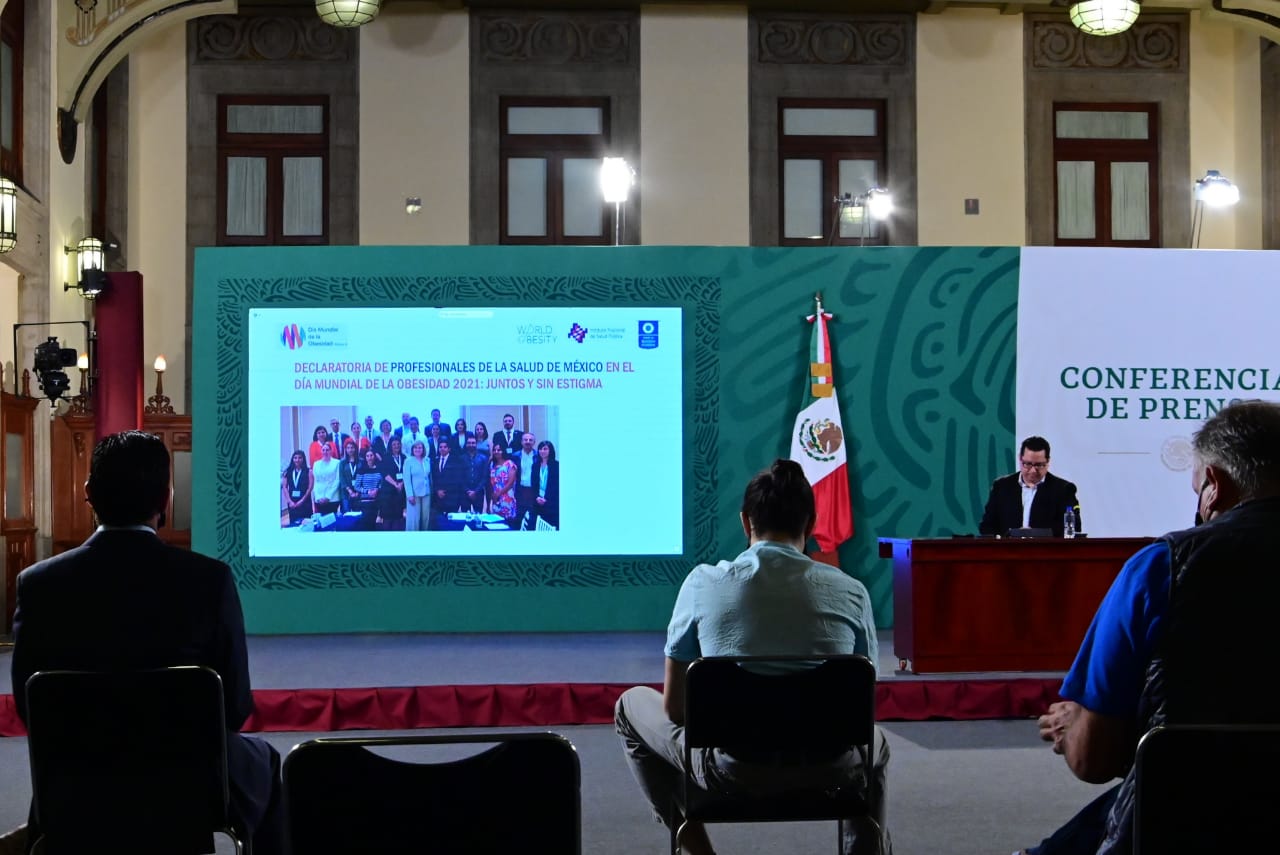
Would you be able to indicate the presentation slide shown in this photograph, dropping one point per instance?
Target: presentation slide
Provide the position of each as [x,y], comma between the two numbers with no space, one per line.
[478,431]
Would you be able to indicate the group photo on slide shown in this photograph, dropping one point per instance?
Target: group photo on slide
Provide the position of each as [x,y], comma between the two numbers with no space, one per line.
[342,471]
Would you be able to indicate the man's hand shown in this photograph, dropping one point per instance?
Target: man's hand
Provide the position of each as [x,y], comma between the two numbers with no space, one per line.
[1056,722]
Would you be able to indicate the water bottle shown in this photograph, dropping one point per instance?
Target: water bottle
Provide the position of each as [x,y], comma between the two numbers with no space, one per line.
[1069,522]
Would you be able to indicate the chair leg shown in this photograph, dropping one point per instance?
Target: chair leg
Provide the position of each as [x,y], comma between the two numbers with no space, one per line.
[861,847]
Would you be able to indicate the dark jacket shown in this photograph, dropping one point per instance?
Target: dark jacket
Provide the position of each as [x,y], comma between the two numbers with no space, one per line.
[126,600]
[1224,586]
[1004,505]
[452,480]
[551,510]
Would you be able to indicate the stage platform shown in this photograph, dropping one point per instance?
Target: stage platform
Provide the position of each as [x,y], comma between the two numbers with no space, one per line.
[392,682]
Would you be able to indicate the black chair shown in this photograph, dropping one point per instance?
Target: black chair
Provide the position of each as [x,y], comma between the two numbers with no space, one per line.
[762,716]
[1206,788]
[522,794]
[128,761]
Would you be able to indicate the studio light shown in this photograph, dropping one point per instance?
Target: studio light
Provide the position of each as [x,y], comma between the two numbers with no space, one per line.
[8,215]
[347,13]
[616,180]
[1215,190]
[1103,17]
[879,203]
[875,204]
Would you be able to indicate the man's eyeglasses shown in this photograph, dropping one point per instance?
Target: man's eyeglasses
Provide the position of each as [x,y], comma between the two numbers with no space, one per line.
[1029,465]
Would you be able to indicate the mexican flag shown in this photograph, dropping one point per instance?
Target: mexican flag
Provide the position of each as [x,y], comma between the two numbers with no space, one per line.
[818,442]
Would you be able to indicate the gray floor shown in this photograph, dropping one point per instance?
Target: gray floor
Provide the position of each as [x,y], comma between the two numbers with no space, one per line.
[350,661]
[959,788]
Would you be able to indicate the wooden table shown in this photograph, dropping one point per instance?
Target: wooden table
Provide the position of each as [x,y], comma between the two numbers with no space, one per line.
[982,604]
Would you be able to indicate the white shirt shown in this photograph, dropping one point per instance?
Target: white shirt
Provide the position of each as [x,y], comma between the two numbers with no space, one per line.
[325,477]
[1028,496]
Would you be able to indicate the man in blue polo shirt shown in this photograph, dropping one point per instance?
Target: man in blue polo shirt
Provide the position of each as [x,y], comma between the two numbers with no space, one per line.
[1115,690]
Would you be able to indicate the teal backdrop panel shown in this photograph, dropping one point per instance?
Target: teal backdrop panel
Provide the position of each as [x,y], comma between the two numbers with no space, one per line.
[923,340]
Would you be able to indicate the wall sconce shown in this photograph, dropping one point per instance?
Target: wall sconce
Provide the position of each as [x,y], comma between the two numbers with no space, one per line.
[8,215]
[91,275]
[158,404]
[875,204]
[412,204]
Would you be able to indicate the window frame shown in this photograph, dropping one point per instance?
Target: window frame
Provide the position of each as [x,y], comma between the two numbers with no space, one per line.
[12,33]
[554,149]
[274,148]
[830,150]
[1103,152]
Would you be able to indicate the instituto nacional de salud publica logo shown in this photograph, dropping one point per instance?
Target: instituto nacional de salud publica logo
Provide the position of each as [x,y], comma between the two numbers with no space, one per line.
[820,438]
[1176,453]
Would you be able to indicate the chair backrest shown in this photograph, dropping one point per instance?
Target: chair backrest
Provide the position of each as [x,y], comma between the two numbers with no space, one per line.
[138,751]
[520,794]
[1206,788]
[761,705]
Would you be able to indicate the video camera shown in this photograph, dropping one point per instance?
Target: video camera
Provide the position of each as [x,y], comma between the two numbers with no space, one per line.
[50,359]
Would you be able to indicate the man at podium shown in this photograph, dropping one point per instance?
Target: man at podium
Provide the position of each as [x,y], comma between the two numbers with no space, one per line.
[1032,497]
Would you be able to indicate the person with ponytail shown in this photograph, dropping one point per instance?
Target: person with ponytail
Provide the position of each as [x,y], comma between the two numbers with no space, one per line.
[771,600]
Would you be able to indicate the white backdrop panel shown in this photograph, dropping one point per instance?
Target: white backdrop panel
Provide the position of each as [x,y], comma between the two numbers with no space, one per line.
[1123,353]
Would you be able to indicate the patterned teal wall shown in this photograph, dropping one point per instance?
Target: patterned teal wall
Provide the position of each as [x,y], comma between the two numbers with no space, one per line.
[924,347]
[924,343]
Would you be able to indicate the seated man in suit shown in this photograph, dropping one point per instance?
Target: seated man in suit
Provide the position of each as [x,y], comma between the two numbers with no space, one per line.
[772,600]
[1030,498]
[125,600]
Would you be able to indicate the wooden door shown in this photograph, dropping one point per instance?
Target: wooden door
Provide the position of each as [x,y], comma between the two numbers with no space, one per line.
[17,474]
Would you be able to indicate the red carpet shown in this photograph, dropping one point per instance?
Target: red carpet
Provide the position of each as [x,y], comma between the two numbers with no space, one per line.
[552,704]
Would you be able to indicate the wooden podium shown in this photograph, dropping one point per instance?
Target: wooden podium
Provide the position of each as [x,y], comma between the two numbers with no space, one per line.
[980,604]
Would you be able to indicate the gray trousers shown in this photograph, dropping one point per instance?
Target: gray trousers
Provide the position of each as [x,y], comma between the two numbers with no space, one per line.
[654,746]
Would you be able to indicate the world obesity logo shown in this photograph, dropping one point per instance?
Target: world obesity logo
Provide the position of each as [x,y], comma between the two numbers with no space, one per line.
[292,336]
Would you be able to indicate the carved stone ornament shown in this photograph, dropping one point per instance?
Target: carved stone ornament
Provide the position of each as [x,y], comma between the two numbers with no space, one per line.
[1146,46]
[556,39]
[270,38]
[817,41]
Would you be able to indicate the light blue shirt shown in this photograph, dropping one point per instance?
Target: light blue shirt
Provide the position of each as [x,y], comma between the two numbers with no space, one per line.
[772,600]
